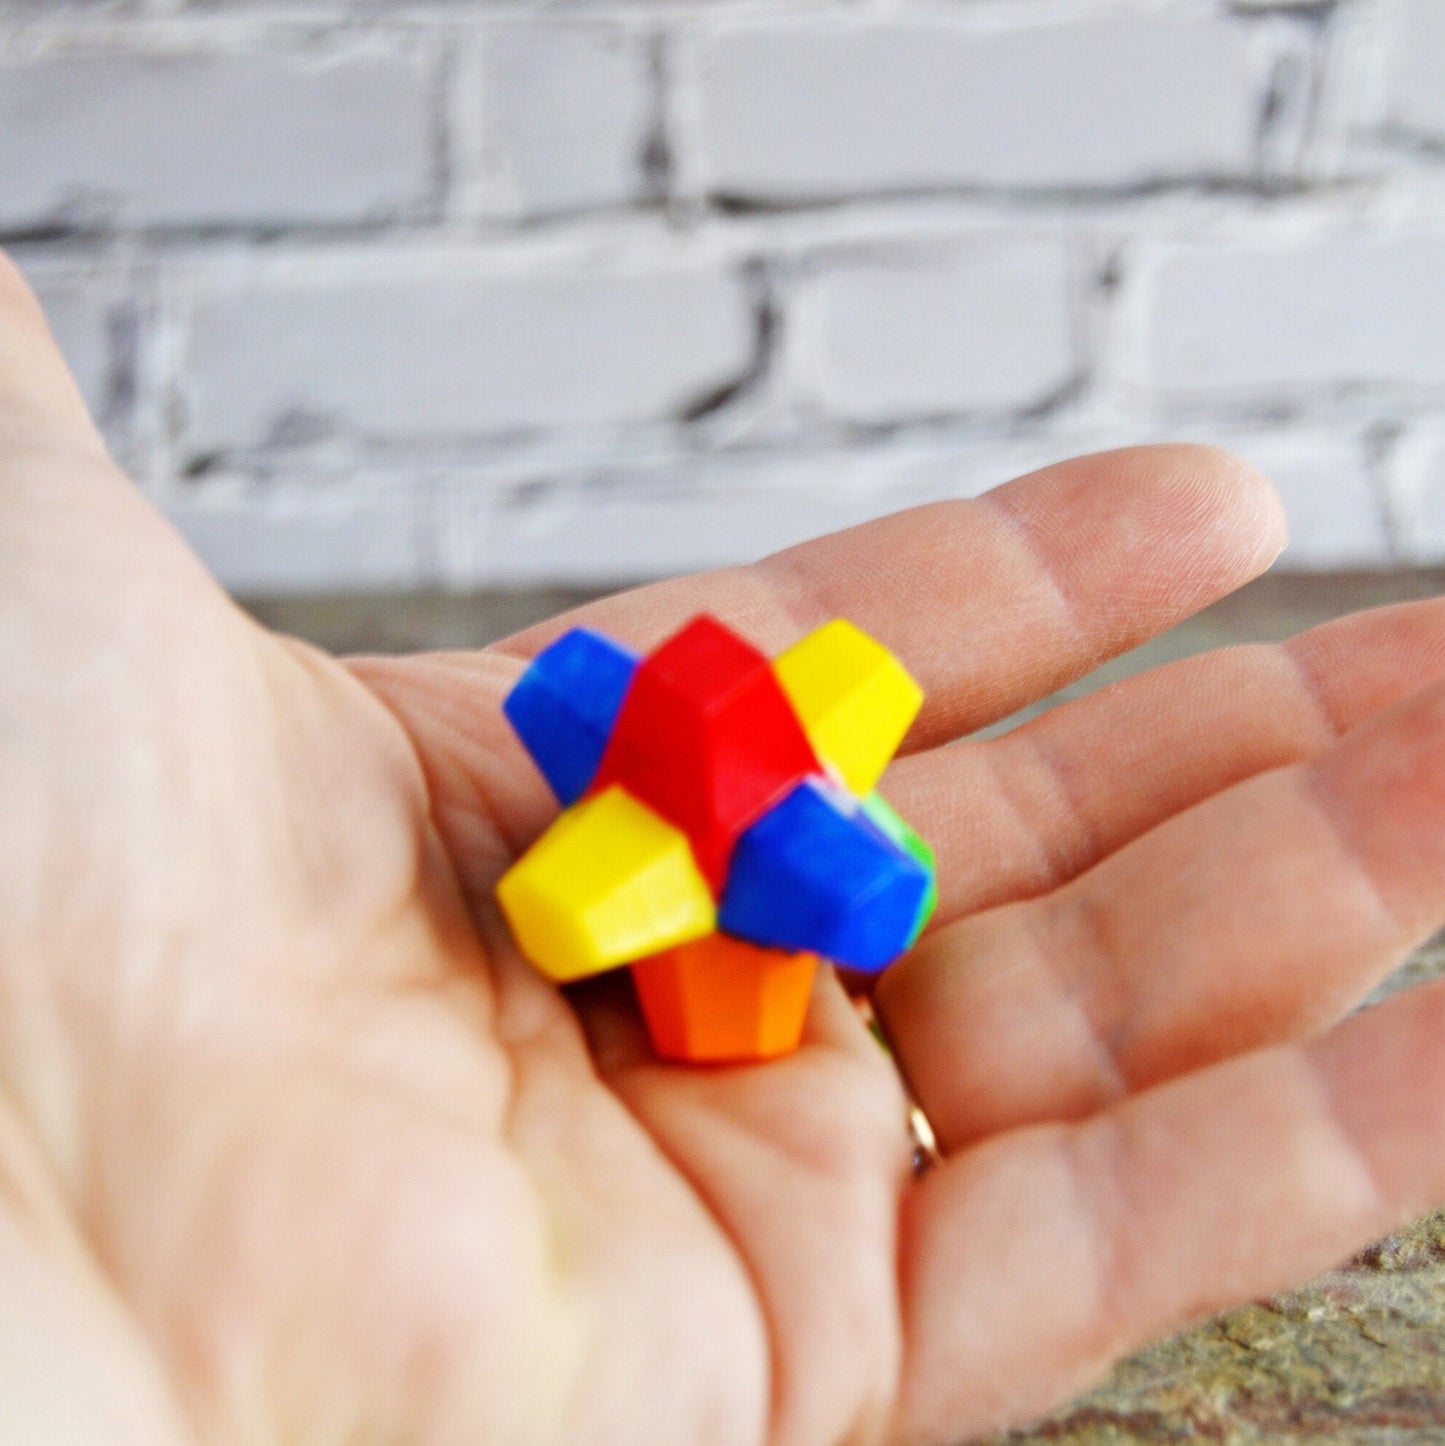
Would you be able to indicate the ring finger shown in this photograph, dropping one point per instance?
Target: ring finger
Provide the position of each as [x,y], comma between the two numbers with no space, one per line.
[1256,916]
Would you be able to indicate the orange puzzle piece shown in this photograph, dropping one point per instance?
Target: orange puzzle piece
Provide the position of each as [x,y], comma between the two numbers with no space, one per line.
[719,999]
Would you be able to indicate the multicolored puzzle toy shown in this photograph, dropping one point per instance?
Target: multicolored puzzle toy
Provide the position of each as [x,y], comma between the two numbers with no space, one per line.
[720,827]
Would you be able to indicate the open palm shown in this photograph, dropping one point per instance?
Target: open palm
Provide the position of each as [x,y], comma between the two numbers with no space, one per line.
[294,1148]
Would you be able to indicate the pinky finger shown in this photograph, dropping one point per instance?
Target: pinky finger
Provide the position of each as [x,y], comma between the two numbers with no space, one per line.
[1033,1261]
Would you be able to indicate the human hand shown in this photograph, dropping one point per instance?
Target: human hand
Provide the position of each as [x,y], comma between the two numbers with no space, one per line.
[294,1148]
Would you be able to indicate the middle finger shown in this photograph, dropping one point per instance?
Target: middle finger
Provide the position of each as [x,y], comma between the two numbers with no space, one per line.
[1017,816]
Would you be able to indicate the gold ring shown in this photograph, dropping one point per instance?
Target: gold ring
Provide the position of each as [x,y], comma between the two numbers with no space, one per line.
[925,1153]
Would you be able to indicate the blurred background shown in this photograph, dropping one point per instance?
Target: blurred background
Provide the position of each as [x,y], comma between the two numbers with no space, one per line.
[420,318]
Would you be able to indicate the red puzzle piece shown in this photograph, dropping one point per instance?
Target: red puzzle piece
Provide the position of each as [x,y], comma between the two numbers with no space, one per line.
[708,739]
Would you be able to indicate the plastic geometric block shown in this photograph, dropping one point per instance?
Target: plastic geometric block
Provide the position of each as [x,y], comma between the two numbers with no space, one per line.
[608,883]
[719,830]
[894,826]
[719,1000]
[855,699]
[563,707]
[816,873]
[706,737]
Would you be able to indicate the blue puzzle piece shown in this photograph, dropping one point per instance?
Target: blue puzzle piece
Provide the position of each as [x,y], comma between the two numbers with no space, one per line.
[816,873]
[563,707]
[886,820]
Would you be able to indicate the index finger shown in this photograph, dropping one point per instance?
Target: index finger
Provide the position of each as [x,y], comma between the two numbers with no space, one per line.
[995,601]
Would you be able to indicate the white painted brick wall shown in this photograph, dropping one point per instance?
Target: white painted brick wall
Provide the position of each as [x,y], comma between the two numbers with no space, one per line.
[442,292]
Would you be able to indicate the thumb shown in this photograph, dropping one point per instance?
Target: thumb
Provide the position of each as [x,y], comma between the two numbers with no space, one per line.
[77,540]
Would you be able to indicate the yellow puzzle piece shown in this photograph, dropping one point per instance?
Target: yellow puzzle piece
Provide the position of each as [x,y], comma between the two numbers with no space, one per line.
[854,698]
[608,883]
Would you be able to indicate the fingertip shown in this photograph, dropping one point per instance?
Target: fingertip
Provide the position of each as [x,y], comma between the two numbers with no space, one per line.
[1245,500]
[1219,496]
[1150,534]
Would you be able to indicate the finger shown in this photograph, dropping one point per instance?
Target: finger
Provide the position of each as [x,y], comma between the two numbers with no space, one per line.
[39,399]
[994,601]
[1017,816]
[1032,1262]
[1257,916]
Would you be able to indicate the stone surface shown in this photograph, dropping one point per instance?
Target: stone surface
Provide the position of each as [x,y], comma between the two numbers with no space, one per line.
[401,622]
[535,524]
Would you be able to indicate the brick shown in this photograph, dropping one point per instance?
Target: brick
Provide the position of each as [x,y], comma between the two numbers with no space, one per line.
[800,110]
[306,541]
[1417,496]
[412,352]
[334,134]
[1415,96]
[565,115]
[880,342]
[1253,319]
[1334,510]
